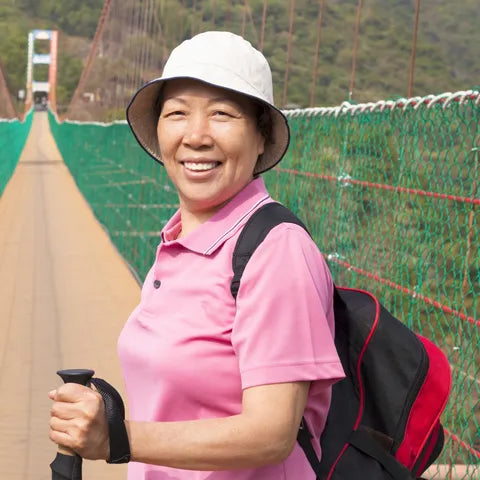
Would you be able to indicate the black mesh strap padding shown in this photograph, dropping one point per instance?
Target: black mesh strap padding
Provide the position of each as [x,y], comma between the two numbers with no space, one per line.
[115,411]
[253,234]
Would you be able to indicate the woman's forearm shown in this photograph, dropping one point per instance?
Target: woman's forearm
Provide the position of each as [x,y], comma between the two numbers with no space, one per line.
[234,442]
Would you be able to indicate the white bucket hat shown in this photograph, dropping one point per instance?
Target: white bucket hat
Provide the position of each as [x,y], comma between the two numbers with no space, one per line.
[222,59]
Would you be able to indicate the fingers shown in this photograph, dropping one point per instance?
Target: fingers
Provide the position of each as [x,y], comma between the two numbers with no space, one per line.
[78,421]
[72,433]
[71,401]
[59,432]
[70,392]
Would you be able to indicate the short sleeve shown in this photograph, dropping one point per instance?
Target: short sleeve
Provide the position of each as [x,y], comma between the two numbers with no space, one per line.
[283,329]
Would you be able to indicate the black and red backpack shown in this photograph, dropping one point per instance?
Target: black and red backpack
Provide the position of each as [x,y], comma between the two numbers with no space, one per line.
[384,419]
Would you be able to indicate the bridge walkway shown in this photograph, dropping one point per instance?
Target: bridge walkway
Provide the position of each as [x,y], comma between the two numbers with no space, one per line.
[65,295]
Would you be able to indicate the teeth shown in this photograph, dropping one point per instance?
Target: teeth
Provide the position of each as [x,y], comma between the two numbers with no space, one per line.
[200,166]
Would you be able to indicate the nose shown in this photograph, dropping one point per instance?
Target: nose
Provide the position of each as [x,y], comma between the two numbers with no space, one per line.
[197,133]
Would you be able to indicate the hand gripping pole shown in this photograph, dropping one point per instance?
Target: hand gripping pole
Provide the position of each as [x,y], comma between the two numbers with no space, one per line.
[67,464]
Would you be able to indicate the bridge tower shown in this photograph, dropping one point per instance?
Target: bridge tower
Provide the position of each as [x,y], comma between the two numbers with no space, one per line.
[43,89]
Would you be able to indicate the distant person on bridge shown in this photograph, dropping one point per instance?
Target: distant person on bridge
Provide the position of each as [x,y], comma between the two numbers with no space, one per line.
[216,387]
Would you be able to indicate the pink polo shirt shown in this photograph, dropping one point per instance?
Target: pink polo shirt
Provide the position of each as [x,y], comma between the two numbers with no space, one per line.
[187,351]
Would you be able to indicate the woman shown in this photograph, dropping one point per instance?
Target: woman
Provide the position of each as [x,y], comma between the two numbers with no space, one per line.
[217,387]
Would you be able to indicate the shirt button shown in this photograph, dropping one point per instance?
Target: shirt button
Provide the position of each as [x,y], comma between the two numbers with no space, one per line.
[157,283]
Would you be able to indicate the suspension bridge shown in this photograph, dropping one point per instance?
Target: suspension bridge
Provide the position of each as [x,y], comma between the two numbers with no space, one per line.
[389,190]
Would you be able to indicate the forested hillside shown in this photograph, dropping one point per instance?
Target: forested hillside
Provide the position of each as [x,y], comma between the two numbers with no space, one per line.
[447,56]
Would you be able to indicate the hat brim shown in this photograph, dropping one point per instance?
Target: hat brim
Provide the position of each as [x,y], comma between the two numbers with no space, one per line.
[142,117]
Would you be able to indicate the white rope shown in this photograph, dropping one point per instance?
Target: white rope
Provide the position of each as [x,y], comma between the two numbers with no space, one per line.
[410,101]
[424,100]
[13,120]
[438,98]
[460,96]
[98,124]
[75,122]
[429,101]
[344,108]
[9,120]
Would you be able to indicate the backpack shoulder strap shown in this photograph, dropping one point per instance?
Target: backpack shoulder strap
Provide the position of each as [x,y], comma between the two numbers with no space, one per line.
[254,232]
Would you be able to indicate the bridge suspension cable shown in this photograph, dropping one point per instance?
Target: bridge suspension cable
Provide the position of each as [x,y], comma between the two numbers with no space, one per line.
[134,38]
[7,109]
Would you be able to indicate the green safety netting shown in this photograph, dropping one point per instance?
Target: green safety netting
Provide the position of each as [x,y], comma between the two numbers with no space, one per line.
[13,134]
[389,191]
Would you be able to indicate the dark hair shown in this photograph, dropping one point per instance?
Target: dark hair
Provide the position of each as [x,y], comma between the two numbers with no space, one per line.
[264,121]
[158,105]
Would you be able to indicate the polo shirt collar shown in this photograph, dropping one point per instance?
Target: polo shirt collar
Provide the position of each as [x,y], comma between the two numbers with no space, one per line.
[209,236]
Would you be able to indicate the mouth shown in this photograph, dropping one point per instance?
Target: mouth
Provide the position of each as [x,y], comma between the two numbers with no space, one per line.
[200,166]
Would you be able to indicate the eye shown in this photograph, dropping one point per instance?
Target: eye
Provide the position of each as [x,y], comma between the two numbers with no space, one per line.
[175,113]
[222,113]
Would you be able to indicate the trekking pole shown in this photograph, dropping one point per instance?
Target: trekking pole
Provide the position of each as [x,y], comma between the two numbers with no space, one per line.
[67,464]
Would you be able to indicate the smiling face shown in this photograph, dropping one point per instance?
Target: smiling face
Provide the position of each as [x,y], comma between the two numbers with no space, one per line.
[209,144]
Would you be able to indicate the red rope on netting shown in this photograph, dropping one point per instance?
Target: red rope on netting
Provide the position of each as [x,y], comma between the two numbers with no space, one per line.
[403,289]
[467,447]
[92,53]
[362,183]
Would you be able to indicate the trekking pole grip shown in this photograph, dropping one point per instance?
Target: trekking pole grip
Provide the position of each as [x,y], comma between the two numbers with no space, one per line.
[74,375]
[67,464]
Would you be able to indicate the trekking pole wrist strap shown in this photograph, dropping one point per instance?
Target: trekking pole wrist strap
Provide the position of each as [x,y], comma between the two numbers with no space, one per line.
[115,412]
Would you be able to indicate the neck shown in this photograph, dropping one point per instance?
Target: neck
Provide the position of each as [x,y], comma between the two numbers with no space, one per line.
[192,216]
[192,220]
